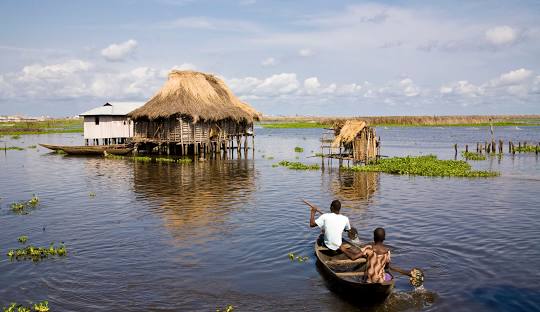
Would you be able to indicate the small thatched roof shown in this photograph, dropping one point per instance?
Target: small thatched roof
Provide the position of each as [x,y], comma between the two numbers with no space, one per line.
[348,131]
[195,94]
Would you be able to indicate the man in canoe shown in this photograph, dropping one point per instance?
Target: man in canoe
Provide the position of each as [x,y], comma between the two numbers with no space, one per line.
[378,258]
[332,224]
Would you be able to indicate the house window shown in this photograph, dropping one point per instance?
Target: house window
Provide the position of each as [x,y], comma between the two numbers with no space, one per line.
[96,120]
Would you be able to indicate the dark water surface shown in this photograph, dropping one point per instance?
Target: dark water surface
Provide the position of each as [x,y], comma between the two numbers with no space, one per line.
[195,237]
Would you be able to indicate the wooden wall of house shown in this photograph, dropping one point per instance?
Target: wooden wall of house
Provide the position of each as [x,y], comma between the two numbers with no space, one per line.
[183,130]
[365,146]
[108,127]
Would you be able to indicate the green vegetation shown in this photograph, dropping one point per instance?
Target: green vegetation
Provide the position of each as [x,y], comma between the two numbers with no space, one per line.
[42,127]
[296,165]
[298,149]
[32,146]
[36,253]
[22,239]
[293,257]
[15,137]
[526,149]
[11,148]
[424,166]
[92,194]
[473,156]
[228,308]
[42,306]
[290,125]
[318,155]
[21,207]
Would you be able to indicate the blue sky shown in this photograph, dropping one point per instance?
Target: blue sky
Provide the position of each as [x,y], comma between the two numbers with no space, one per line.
[60,58]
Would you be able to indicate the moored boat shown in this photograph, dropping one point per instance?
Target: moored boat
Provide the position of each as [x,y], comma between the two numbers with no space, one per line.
[347,276]
[118,149]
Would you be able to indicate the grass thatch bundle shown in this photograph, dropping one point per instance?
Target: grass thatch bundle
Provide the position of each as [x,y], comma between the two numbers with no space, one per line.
[346,133]
[198,95]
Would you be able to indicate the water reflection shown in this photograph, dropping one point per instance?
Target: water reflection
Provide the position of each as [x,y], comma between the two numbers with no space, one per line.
[194,199]
[355,186]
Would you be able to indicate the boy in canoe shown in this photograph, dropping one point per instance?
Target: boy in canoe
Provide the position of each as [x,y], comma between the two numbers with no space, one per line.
[378,258]
[332,224]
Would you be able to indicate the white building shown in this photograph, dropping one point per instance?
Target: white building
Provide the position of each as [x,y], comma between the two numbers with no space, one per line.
[109,124]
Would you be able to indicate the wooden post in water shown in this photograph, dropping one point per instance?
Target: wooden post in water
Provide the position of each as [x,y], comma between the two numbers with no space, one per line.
[493,146]
[477,147]
[486,147]
[466,148]
[519,147]
[500,146]
[455,151]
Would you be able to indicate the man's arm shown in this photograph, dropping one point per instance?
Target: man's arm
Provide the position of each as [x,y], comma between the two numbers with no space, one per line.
[399,270]
[312,218]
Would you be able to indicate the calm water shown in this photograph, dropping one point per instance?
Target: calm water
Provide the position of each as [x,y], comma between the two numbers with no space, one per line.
[196,237]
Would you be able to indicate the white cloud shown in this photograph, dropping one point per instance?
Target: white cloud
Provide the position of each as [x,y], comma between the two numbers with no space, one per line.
[208,23]
[408,87]
[513,77]
[270,61]
[119,51]
[463,88]
[312,84]
[501,35]
[305,52]
[278,84]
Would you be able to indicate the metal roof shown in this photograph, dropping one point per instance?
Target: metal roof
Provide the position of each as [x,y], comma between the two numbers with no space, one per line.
[113,109]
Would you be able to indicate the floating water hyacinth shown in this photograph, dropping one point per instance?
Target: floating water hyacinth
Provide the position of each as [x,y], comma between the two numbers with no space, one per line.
[296,165]
[36,253]
[42,306]
[92,194]
[228,308]
[473,156]
[34,201]
[293,257]
[298,149]
[428,165]
[22,239]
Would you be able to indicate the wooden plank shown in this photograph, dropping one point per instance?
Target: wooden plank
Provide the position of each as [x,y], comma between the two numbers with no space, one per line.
[350,274]
[347,261]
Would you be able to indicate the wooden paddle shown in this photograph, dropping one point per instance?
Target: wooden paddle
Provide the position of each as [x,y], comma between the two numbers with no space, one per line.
[312,206]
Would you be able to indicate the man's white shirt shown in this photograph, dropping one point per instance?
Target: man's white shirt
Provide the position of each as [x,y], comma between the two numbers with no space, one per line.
[333,225]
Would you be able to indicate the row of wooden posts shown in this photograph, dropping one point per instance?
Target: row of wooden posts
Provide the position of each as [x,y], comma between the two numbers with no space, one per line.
[492,147]
[198,148]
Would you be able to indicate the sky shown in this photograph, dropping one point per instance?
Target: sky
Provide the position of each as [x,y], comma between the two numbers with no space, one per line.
[330,58]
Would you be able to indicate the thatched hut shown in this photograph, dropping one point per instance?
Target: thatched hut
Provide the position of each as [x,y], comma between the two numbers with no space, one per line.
[193,113]
[357,140]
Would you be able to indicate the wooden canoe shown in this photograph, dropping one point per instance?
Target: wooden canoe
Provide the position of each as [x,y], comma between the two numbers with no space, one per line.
[346,276]
[51,147]
[118,149]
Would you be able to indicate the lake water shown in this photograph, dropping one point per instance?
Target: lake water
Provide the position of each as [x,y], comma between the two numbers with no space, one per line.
[201,236]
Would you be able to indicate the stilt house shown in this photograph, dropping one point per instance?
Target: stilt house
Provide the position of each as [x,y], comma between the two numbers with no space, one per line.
[356,141]
[193,113]
[109,124]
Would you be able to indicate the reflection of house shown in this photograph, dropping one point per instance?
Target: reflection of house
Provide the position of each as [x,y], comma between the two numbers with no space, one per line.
[109,124]
[193,113]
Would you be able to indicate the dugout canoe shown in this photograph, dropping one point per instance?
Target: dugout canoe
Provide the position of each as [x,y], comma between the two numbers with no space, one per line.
[346,276]
[118,149]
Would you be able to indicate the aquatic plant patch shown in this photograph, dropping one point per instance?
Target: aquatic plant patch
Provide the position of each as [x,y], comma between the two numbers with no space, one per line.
[22,206]
[526,149]
[296,165]
[22,239]
[36,253]
[42,306]
[428,165]
[298,258]
[473,156]
[11,148]
[229,308]
[298,149]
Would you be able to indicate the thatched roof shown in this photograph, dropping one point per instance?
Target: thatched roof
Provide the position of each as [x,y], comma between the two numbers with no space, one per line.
[195,94]
[348,132]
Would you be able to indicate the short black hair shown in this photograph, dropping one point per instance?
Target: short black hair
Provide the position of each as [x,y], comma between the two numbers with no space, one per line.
[379,235]
[335,206]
